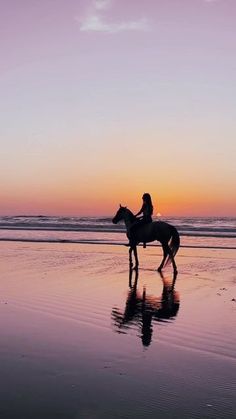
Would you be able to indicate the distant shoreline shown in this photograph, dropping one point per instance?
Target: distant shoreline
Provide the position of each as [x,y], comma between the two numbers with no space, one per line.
[99,242]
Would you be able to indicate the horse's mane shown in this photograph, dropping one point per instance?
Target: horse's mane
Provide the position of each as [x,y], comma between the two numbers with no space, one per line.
[130,213]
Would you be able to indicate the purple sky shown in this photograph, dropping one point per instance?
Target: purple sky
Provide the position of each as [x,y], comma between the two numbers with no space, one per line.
[101,90]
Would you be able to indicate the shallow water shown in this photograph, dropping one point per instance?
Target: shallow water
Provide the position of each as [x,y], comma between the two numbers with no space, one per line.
[83,338]
[212,232]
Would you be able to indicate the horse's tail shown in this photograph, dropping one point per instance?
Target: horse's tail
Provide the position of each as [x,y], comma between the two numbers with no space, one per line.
[174,243]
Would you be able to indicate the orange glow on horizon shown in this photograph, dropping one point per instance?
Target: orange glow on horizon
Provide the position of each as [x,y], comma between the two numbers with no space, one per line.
[69,193]
[72,202]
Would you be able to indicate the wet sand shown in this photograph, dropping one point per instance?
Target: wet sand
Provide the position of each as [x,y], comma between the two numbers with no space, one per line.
[83,338]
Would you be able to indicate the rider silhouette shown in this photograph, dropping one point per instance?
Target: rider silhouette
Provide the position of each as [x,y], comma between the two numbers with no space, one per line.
[147,211]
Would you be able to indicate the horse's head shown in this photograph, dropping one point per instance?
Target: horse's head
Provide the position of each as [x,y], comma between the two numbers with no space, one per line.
[119,215]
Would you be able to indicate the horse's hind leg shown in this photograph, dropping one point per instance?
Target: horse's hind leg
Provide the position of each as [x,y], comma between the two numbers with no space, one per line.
[165,254]
[173,262]
[169,252]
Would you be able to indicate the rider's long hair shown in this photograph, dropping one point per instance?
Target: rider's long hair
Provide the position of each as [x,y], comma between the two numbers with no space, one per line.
[147,198]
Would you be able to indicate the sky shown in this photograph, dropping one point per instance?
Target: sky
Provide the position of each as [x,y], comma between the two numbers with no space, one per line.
[103,100]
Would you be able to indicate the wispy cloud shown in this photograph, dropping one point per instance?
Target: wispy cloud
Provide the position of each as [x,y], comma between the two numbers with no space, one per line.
[102,4]
[96,22]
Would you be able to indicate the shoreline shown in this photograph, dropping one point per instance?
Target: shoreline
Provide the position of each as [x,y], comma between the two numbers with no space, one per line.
[102,242]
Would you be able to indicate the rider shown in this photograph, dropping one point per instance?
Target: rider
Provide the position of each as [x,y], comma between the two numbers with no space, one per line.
[147,211]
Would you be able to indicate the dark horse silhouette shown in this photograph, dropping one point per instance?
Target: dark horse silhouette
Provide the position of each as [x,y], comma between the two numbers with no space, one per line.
[163,232]
[143,309]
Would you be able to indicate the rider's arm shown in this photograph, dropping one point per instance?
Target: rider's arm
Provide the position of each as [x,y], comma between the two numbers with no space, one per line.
[140,212]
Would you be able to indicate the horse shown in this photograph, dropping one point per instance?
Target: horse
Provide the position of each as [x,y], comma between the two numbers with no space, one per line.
[161,231]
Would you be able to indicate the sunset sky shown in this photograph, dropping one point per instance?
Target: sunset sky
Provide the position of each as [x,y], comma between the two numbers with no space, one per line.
[104,100]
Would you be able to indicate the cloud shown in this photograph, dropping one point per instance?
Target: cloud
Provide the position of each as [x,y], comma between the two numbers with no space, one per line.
[95,21]
[102,4]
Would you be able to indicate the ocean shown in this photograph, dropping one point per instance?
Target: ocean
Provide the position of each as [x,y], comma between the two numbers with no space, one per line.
[210,232]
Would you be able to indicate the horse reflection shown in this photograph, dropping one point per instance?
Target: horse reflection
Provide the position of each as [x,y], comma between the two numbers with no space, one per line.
[142,309]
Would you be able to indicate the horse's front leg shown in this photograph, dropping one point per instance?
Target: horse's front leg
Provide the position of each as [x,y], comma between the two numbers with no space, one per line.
[136,257]
[130,257]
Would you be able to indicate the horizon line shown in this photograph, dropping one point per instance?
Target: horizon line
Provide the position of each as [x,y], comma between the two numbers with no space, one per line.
[111,215]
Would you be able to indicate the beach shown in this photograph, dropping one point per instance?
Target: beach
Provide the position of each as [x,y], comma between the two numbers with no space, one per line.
[83,337]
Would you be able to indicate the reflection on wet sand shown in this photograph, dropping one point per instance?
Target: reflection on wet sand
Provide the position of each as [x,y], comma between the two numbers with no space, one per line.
[143,309]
